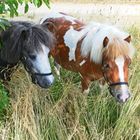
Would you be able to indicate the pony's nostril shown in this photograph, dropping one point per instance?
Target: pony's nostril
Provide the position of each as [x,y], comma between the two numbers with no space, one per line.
[47,83]
[126,99]
[119,96]
[123,97]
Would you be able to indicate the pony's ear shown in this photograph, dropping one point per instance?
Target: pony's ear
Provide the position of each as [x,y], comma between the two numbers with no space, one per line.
[105,41]
[12,45]
[128,39]
[50,26]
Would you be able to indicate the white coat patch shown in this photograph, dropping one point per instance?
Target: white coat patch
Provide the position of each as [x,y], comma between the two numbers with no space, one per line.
[71,39]
[86,91]
[82,62]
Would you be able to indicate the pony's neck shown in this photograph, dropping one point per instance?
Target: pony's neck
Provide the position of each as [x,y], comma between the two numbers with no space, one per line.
[3,63]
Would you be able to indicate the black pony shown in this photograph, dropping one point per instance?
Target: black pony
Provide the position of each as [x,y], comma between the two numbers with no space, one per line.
[29,43]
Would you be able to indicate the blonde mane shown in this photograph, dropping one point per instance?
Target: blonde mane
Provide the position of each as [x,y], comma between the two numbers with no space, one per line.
[92,44]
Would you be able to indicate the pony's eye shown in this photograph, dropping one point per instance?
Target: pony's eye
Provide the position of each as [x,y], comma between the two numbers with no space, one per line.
[106,66]
[33,57]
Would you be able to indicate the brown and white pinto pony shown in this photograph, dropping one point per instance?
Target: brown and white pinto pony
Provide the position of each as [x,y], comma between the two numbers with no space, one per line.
[95,51]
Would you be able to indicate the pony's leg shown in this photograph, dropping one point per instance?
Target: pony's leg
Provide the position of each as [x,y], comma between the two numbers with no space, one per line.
[85,82]
[57,69]
[101,82]
[101,85]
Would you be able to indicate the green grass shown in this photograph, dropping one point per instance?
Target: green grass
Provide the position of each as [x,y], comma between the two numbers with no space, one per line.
[4,101]
[62,112]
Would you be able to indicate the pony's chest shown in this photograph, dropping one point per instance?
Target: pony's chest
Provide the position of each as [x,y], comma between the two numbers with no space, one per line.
[91,70]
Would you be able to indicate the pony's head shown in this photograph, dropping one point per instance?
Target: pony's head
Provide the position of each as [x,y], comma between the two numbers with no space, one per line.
[30,44]
[112,49]
[37,45]
[116,59]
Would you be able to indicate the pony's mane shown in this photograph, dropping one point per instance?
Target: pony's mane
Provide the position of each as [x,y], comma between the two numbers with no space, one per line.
[37,34]
[21,34]
[118,47]
[92,44]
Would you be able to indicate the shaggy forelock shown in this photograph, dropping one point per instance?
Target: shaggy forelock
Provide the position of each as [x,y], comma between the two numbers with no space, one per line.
[38,35]
[118,47]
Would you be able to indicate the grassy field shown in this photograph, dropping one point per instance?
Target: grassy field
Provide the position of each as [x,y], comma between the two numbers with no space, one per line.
[63,113]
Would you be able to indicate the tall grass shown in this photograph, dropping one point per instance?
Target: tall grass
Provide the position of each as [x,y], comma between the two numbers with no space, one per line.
[62,112]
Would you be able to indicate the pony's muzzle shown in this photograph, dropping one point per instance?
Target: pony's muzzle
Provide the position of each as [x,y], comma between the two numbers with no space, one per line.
[43,81]
[121,93]
[122,98]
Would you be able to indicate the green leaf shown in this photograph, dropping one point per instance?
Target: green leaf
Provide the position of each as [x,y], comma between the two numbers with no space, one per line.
[11,12]
[15,4]
[5,22]
[39,3]
[47,2]
[11,6]
[26,8]
[2,8]
[16,13]
[20,1]
[11,9]
[2,26]
[35,2]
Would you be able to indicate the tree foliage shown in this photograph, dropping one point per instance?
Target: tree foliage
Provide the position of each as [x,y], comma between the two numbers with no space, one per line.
[11,7]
